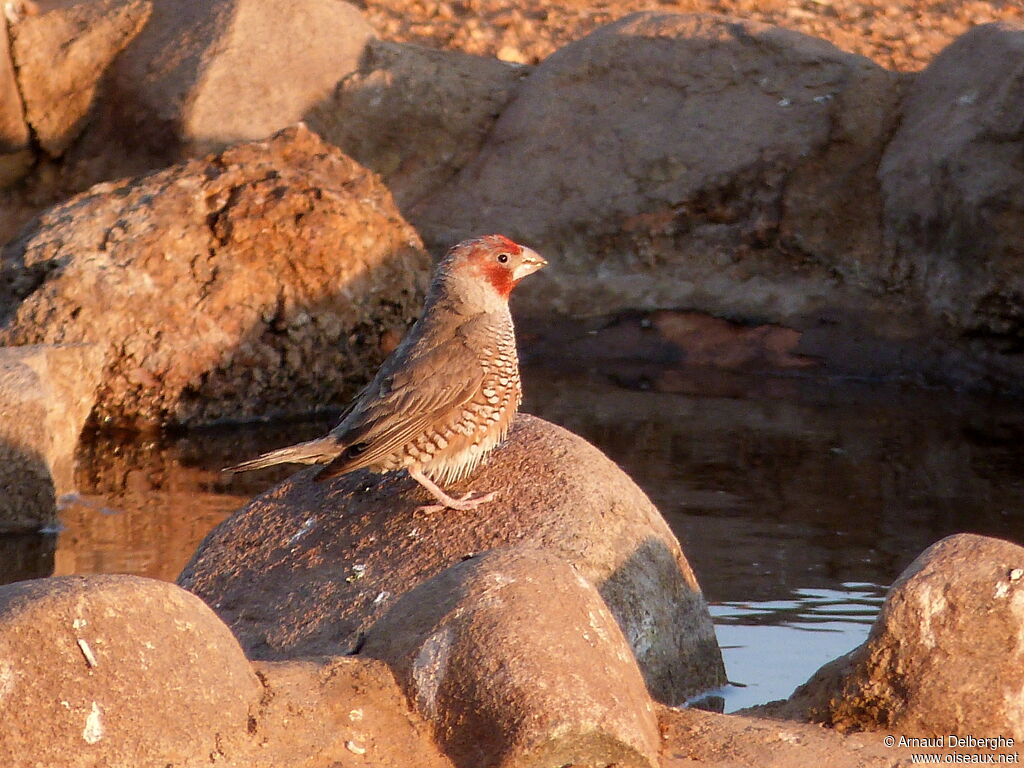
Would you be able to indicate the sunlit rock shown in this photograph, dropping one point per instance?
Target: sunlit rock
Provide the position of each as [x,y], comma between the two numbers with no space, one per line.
[117,670]
[46,395]
[61,57]
[269,279]
[307,568]
[516,661]
[945,656]
[203,75]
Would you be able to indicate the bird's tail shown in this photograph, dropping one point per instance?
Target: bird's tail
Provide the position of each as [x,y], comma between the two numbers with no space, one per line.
[318,451]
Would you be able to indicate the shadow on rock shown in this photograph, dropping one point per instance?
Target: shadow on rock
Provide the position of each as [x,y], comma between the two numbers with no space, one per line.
[255,282]
[516,660]
[46,393]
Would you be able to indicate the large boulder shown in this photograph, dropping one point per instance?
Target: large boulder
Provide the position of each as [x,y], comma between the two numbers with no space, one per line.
[945,655]
[207,73]
[46,395]
[416,115]
[60,58]
[272,278]
[953,186]
[118,670]
[308,567]
[515,658]
[686,160]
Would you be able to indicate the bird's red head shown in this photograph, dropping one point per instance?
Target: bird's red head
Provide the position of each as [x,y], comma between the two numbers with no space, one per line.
[499,261]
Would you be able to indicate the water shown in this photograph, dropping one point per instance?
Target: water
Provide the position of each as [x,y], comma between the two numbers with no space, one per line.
[774,645]
[796,501]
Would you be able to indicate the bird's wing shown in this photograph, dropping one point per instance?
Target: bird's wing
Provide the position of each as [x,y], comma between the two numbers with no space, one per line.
[406,398]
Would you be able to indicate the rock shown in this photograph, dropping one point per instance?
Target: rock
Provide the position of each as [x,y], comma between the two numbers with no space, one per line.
[118,670]
[269,279]
[692,737]
[60,58]
[337,711]
[943,657]
[415,115]
[307,568]
[660,154]
[46,394]
[204,74]
[515,658]
[954,203]
[13,129]
[16,156]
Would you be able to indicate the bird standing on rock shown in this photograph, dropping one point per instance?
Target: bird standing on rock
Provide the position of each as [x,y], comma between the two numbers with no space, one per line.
[447,394]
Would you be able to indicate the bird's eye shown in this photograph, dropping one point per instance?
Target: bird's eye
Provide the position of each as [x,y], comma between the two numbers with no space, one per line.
[502,257]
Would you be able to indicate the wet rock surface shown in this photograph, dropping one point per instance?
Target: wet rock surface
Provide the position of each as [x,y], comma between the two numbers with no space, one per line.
[269,279]
[516,660]
[307,568]
[46,395]
[943,656]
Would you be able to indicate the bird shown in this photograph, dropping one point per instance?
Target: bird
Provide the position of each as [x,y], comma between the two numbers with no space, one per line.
[446,396]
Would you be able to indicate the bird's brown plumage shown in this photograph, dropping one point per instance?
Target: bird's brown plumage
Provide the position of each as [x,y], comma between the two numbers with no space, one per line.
[446,396]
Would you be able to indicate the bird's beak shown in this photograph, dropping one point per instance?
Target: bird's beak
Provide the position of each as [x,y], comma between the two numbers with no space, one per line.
[531,261]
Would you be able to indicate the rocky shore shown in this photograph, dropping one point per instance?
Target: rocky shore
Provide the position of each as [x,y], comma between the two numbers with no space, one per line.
[225,211]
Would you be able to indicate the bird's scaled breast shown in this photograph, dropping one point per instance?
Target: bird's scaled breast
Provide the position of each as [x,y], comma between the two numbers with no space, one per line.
[454,445]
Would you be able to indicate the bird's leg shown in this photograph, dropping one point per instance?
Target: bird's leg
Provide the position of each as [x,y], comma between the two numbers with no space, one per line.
[446,501]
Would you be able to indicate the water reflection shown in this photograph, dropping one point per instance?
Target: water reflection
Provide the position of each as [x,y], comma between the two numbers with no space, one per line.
[797,635]
[808,485]
[791,497]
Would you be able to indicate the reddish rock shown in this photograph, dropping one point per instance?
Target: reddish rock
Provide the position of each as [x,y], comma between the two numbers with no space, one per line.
[416,115]
[118,670]
[61,56]
[516,660]
[337,712]
[657,160]
[46,394]
[693,738]
[13,129]
[16,156]
[307,567]
[207,73]
[945,656]
[265,280]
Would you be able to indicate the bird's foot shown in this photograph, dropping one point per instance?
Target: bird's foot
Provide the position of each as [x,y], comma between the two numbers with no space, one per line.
[463,503]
